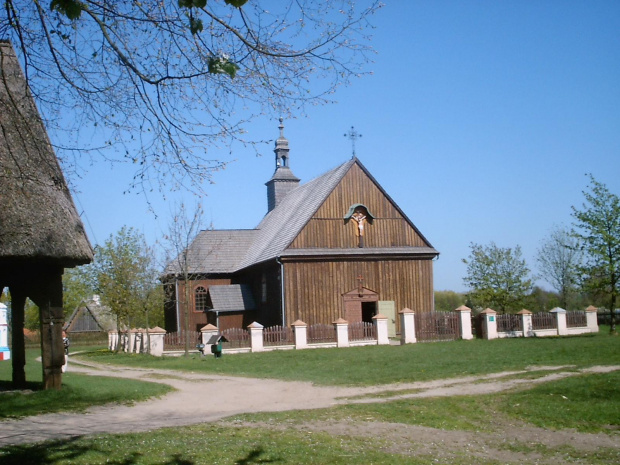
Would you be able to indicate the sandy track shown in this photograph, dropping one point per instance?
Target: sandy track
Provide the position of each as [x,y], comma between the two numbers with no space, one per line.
[193,402]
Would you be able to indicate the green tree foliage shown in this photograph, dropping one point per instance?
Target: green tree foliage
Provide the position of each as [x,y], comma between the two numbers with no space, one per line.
[497,277]
[558,260]
[161,82]
[446,301]
[78,285]
[126,278]
[540,300]
[597,227]
[32,321]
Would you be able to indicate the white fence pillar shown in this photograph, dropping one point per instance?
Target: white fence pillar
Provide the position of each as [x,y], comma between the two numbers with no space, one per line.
[256,337]
[407,326]
[526,322]
[592,318]
[464,313]
[381,323]
[156,335]
[207,331]
[489,323]
[560,319]
[300,329]
[342,332]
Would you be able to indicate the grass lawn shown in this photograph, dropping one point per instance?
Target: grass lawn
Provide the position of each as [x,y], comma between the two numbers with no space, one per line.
[372,365]
[78,391]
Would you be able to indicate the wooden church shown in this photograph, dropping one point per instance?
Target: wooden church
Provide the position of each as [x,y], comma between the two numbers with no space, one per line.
[335,247]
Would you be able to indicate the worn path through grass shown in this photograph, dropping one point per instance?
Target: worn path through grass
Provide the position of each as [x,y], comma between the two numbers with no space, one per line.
[200,398]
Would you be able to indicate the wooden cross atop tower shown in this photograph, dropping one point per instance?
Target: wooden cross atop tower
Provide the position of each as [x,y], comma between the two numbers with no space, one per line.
[360,288]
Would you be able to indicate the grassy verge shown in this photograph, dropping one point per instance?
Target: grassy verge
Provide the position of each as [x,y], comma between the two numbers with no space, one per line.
[586,403]
[282,437]
[213,445]
[78,391]
[372,365]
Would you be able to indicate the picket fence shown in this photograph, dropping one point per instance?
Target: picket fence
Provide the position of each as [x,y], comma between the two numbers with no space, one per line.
[432,326]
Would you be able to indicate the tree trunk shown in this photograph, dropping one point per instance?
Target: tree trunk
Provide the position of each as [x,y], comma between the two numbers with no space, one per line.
[118,330]
[148,336]
[187,295]
[612,307]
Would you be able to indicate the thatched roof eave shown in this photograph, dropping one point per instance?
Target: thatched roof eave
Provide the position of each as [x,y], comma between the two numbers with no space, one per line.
[39,218]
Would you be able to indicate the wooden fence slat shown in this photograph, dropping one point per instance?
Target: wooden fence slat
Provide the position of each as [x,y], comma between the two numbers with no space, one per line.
[576,319]
[362,331]
[321,333]
[436,326]
[544,320]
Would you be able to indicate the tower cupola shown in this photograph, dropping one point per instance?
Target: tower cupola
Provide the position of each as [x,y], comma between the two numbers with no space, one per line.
[283,179]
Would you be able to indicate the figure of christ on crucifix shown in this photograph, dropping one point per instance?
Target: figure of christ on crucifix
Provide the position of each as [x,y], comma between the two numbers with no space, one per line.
[360,220]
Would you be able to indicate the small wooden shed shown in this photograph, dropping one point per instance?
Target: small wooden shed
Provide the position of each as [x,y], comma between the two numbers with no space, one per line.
[90,317]
[40,230]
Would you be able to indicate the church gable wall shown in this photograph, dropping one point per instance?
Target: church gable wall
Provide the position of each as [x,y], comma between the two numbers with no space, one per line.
[327,228]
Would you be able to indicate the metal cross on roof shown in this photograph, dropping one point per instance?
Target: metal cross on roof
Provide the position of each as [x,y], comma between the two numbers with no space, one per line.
[353,135]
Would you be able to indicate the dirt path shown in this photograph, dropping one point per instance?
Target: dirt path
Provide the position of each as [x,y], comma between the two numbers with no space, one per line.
[189,405]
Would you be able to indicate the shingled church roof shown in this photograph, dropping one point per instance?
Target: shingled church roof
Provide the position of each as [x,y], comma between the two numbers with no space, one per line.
[229,251]
[39,219]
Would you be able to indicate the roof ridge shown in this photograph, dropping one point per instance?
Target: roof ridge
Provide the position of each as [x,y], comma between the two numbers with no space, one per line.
[281,225]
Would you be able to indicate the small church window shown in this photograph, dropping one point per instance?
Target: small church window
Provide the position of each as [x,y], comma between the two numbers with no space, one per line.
[200,299]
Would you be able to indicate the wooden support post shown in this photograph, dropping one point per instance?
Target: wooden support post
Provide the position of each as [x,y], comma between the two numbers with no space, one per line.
[52,348]
[18,361]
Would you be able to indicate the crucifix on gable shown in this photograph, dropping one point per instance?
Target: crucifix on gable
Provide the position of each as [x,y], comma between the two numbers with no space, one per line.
[359,216]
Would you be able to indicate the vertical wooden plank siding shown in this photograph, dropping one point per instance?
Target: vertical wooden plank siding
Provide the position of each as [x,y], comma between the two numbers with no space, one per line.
[196,319]
[328,229]
[313,289]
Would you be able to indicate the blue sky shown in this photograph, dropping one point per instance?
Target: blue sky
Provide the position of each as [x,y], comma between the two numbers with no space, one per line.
[481,119]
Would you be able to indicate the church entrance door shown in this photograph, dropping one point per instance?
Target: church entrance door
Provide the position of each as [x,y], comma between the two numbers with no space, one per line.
[360,305]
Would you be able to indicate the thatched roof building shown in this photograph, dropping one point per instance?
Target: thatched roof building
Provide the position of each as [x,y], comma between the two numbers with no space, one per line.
[39,218]
[40,230]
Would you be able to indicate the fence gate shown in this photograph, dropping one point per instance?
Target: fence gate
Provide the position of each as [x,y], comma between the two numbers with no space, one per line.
[436,326]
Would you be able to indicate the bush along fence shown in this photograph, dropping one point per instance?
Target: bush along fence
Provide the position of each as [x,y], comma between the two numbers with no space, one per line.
[434,326]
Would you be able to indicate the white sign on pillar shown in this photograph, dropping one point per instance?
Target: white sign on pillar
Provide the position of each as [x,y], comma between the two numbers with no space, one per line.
[5,353]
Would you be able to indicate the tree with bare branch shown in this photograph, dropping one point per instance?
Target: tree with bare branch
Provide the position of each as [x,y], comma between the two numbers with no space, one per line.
[182,230]
[159,83]
[559,260]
